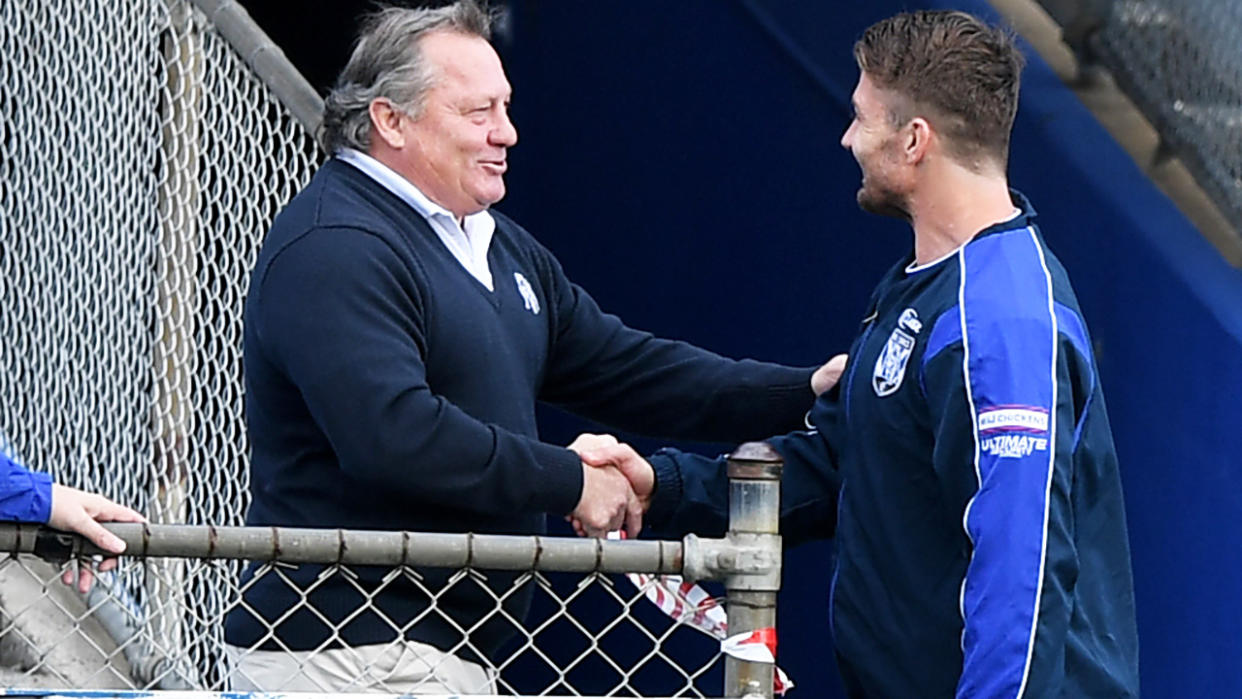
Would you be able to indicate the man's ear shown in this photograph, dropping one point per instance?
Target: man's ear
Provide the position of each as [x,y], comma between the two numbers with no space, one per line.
[917,141]
[386,122]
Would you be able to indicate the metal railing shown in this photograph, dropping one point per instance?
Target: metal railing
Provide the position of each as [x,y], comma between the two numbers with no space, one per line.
[53,637]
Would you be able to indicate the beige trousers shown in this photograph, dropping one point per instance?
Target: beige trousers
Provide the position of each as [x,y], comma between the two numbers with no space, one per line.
[401,667]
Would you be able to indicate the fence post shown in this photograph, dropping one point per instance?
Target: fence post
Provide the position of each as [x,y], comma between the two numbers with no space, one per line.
[175,356]
[754,522]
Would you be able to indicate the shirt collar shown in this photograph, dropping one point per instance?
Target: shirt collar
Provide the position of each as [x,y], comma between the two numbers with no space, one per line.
[406,190]
[1022,213]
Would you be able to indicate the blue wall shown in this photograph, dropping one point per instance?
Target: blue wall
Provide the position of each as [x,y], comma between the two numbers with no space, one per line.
[682,160]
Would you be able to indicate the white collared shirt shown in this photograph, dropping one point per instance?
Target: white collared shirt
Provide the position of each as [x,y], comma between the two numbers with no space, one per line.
[469,245]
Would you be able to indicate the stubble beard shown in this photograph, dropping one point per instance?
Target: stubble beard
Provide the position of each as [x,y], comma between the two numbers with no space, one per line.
[882,202]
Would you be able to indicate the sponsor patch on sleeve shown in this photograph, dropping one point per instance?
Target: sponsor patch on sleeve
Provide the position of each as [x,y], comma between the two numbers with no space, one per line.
[1013,418]
[1013,431]
[1013,446]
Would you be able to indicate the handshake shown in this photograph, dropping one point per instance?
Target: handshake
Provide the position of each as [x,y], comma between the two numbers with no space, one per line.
[617,485]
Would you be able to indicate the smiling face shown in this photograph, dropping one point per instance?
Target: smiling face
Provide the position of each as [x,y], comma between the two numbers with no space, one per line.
[876,144]
[456,148]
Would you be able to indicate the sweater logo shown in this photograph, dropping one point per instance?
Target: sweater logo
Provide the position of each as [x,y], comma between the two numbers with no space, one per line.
[890,366]
[528,293]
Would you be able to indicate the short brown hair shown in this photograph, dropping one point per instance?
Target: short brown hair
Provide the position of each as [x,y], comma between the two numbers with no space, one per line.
[951,68]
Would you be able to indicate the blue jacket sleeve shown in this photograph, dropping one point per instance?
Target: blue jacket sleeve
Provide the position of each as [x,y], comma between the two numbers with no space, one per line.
[632,380]
[692,492]
[25,496]
[341,321]
[1002,399]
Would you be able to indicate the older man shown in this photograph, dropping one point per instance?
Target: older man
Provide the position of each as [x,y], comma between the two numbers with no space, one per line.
[981,538]
[398,335]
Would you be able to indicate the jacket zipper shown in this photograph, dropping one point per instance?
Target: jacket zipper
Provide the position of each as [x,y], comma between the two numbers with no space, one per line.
[849,399]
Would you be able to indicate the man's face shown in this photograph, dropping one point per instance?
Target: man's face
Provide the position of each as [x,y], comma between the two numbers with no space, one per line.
[876,145]
[459,142]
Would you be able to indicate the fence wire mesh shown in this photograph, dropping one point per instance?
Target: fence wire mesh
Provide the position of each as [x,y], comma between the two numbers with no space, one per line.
[1180,61]
[608,639]
[140,164]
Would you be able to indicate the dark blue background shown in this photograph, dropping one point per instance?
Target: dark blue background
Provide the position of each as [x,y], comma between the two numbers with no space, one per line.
[682,160]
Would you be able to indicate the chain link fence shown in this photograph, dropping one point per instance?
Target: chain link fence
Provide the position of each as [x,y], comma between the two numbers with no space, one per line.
[1180,62]
[141,161]
[56,638]
[609,639]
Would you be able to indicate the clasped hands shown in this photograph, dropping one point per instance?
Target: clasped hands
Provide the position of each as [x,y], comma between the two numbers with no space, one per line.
[617,485]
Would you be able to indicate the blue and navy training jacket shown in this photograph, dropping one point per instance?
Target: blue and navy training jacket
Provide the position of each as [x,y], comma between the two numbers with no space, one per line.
[979,522]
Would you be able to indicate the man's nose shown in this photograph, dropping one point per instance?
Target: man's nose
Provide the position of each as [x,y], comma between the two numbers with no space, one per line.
[505,133]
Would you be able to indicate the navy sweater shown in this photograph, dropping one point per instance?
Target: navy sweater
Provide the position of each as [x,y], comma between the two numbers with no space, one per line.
[386,388]
[981,537]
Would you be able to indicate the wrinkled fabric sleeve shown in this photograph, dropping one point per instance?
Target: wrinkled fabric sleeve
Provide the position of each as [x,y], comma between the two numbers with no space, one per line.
[25,496]
[1002,408]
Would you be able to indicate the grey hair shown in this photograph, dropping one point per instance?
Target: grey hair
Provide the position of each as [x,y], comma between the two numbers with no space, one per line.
[387,62]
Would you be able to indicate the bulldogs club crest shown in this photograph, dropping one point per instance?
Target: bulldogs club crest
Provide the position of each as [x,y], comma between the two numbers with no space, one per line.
[890,367]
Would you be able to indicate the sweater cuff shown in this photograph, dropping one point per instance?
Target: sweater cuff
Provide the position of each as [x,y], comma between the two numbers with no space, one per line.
[668,489]
[796,397]
[559,487]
